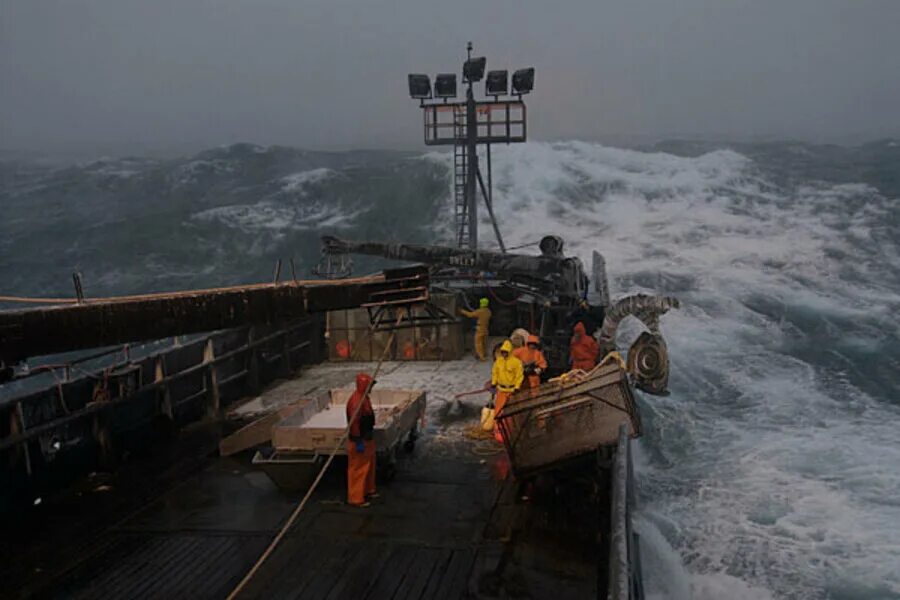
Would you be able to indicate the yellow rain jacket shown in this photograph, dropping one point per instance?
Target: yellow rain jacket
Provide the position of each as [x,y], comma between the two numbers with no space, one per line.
[508,373]
[482,315]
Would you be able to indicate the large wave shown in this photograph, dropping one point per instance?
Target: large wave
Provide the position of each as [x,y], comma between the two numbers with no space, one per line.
[774,466]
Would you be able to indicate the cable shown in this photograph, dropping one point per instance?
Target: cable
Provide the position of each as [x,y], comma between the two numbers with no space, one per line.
[495,296]
[523,246]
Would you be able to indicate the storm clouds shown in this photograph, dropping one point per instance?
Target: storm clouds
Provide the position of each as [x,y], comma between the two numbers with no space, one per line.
[172,74]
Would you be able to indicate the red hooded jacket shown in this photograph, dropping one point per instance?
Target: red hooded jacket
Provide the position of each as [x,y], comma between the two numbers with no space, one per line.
[362,426]
[583,349]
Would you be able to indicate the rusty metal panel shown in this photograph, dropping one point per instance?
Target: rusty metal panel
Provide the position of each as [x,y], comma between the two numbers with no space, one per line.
[103,322]
[350,336]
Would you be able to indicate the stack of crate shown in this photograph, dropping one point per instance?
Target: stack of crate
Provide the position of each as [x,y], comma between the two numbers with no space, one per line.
[351,339]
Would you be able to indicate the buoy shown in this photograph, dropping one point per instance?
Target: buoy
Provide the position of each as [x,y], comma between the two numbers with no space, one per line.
[343,349]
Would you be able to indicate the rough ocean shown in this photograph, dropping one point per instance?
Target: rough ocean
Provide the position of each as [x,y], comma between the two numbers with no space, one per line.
[773,468]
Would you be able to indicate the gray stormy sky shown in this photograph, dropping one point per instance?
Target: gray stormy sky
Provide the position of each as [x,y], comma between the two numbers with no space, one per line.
[155,74]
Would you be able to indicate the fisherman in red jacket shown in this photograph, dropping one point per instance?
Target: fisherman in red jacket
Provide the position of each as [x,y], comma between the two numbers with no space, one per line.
[583,349]
[360,444]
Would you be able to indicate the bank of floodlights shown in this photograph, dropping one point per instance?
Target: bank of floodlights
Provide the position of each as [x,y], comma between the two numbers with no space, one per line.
[496,84]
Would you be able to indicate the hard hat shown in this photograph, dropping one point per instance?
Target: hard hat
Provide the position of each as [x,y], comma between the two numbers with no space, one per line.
[483,303]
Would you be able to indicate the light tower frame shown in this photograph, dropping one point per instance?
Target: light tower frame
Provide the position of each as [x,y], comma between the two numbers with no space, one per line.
[467,124]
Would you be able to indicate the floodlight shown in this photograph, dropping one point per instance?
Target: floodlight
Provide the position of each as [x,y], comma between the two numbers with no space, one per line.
[419,87]
[445,85]
[496,83]
[473,69]
[523,81]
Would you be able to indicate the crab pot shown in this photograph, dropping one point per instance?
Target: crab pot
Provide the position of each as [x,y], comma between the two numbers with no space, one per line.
[566,419]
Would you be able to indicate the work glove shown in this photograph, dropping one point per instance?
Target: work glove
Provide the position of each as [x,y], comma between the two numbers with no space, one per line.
[360,446]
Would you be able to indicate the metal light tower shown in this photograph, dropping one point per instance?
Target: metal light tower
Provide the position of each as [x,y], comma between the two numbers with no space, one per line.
[465,125]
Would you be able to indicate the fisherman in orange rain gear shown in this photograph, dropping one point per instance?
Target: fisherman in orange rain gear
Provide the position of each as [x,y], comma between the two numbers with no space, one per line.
[533,361]
[583,349]
[360,444]
[506,377]
[483,317]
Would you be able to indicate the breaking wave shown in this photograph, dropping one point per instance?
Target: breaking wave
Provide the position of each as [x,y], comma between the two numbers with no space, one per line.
[285,209]
[773,469]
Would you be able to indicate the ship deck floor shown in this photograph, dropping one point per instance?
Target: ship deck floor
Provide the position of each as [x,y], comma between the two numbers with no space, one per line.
[451,523]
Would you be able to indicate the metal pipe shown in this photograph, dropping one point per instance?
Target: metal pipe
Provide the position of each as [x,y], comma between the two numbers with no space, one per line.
[471,167]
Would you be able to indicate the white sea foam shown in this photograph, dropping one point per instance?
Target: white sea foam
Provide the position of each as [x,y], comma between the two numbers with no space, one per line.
[191,172]
[296,182]
[274,217]
[768,475]
[286,210]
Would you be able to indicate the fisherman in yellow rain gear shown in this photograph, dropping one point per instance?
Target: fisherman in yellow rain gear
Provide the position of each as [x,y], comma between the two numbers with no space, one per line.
[483,316]
[506,377]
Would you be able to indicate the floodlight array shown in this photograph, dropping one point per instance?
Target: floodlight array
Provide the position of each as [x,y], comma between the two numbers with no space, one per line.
[496,84]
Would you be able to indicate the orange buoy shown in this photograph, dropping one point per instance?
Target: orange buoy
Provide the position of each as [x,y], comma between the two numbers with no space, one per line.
[343,349]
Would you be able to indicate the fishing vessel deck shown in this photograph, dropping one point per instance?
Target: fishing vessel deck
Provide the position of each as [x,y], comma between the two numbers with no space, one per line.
[451,524]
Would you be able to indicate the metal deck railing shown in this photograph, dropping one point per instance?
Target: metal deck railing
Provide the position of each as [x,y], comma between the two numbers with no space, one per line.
[625,578]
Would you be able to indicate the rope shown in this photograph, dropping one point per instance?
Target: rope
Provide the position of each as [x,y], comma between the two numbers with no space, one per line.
[265,555]
[523,246]
[485,444]
[494,295]
[28,300]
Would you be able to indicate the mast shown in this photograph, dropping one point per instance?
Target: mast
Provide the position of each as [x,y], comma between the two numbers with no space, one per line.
[471,157]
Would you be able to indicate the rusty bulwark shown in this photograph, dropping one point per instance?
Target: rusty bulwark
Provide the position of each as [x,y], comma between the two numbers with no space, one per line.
[102,322]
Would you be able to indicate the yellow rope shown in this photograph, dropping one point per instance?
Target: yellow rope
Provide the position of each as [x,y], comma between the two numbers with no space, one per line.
[475,432]
[485,444]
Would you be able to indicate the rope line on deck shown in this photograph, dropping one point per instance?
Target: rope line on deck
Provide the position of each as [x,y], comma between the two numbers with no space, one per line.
[290,522]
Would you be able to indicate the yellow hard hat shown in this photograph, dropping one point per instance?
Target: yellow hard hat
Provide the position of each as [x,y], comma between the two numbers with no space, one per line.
[483,303]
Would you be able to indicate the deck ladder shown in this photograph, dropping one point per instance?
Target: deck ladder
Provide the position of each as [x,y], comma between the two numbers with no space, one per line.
[460,168]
